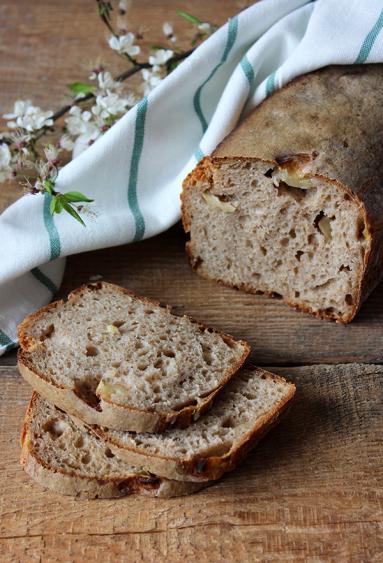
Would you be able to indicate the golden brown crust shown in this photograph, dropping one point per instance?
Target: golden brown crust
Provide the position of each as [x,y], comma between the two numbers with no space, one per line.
[107,413]
[70,482]
[336,116]
[204,468]
[370,274]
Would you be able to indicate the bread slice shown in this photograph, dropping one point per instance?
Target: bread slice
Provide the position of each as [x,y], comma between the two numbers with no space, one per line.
[242,414]
[290,204]
[114,359]
[68,460]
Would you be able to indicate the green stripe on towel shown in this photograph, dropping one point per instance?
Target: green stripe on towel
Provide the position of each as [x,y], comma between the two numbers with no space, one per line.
[232,30]
[368,43]
[136,155]
[6,341]
[270,84]
[44,280]
[54,239]
[248,70]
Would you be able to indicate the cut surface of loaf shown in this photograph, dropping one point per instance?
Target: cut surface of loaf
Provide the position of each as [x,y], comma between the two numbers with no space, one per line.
[113,359]
[66,459]
[244,411]
[290,204]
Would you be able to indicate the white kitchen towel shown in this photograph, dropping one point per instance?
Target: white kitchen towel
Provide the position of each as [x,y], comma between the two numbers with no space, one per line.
[134,172]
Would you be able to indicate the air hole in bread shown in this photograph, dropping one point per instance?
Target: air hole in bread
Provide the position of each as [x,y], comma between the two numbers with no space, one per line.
[296,293]
[79,442]
[344,268]
[285,241]
[297,194]
[86,390]
[118,323]
[47,332]
[85,458]
[228,422]
[142,366]
[168,353]
[207,356]
[55,428]
[109,453]
[263,250]
[276,295]
[298,255]
[348,299]
[292,233]
[268,173]
[91,350]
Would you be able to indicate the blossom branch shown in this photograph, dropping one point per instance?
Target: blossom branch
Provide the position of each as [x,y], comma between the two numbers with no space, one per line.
[95,108]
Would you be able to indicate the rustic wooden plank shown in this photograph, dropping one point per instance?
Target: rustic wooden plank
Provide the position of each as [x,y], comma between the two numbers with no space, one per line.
[311,491]
[158,268]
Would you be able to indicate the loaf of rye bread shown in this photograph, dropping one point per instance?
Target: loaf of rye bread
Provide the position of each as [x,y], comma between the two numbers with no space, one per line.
[125,362]
[64,458]
[291,203]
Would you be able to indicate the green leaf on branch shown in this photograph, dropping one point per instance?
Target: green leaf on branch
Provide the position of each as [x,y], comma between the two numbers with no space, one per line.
[48,185]
[81,88]
[76,197]
[71,210]
[189,17]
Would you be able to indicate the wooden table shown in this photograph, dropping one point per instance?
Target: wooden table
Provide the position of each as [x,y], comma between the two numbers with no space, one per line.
[312,491]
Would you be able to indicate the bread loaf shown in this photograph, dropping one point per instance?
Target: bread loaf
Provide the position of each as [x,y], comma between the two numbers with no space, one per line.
[291,203]
[117,360]
[245,410]
[68,460]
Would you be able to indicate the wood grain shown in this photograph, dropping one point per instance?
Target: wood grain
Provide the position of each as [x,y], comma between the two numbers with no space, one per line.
[311,491]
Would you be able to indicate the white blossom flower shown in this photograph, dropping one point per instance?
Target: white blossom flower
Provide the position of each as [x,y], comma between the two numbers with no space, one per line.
[79,124]
[51,153]
[160,57]
[66,143]
[167,28]
[5,161]
[28,117]
[204,26]
[107,84]
[123,6]
[111,104]
[151,78]
[168,31]
[124,44]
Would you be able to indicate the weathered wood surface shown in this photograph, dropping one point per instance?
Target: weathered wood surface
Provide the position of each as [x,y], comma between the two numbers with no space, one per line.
[311,491]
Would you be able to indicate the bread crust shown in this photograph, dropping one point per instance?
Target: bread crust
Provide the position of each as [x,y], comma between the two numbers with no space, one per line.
[72,483]
[107,413]
[210,468]
[334,140]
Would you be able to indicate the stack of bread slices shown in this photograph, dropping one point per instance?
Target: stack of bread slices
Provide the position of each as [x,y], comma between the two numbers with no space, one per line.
[129,398]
